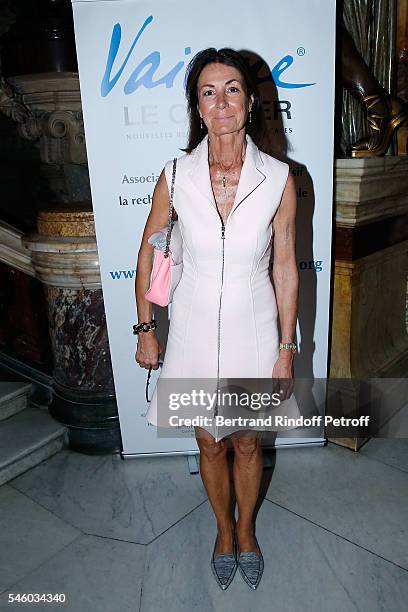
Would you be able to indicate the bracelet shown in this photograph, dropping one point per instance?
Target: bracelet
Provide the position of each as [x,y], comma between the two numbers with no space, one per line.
[288,345]
[144,327]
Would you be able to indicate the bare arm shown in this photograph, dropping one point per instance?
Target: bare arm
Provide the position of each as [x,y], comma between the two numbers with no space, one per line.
[148,348]
[285,273]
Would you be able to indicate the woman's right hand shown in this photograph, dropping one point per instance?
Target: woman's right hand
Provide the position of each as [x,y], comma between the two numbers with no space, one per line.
[148,350]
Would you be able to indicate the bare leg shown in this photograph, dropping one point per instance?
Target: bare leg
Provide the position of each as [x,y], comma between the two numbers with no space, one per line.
[247,474]
[215,477]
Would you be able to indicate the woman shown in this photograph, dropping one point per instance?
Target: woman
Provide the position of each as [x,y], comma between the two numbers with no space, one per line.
[231,198]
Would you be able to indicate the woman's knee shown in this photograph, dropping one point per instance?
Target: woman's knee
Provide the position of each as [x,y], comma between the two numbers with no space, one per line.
[210,448]
[246,445]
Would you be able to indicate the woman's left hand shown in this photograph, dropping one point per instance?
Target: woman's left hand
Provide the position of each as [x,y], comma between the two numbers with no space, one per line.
[282,375]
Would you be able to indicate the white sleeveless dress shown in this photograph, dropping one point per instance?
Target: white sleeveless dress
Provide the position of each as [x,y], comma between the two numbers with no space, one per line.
[224,314]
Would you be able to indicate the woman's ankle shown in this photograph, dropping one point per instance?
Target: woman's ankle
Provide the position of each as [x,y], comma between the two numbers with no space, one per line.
[225,527]
[245,527]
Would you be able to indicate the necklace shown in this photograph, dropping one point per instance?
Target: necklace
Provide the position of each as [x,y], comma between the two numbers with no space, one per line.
[225,175]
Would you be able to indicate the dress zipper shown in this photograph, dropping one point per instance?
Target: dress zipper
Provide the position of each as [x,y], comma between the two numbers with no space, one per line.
[219,307]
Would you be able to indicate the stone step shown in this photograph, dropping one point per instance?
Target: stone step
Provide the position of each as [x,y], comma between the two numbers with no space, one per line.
[26,439]
[13,398]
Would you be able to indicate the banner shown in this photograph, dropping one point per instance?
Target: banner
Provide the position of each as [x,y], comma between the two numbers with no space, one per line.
[132,57]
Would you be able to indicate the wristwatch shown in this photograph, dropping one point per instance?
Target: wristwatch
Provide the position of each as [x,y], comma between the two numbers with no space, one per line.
[288,345]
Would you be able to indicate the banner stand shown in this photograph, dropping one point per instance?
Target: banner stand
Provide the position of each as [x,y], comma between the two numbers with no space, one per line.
[132,56]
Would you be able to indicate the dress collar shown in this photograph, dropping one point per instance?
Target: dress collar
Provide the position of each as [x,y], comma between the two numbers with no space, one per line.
[251,174]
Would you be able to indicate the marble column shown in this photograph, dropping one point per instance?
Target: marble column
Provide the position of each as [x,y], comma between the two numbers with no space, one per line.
[64,257]
[369,333]
[41,94]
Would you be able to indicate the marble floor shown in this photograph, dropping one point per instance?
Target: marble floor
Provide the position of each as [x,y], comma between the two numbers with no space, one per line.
[137,535]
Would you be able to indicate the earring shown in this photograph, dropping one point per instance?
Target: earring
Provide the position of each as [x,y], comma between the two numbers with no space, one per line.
[250,116]
[201,124]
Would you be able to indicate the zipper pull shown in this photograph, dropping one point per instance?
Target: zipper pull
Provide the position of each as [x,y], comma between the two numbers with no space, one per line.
[223,231]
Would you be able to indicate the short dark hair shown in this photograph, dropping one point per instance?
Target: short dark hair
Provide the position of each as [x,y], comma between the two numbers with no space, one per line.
[256,129]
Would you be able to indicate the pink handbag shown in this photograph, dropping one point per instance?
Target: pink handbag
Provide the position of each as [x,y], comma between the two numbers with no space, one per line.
[167,263]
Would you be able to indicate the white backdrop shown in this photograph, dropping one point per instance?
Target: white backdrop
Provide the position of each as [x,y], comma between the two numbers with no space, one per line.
[132,56]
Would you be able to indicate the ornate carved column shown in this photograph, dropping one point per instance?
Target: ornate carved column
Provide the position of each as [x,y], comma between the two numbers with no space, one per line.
[42,95]
[65,259]
[47,109]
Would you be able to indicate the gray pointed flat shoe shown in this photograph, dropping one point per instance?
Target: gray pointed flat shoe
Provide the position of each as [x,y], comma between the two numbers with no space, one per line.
[224,566]
[251,566]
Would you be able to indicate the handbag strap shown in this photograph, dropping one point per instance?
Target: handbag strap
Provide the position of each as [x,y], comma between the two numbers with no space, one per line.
[170,221]
[147,384]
